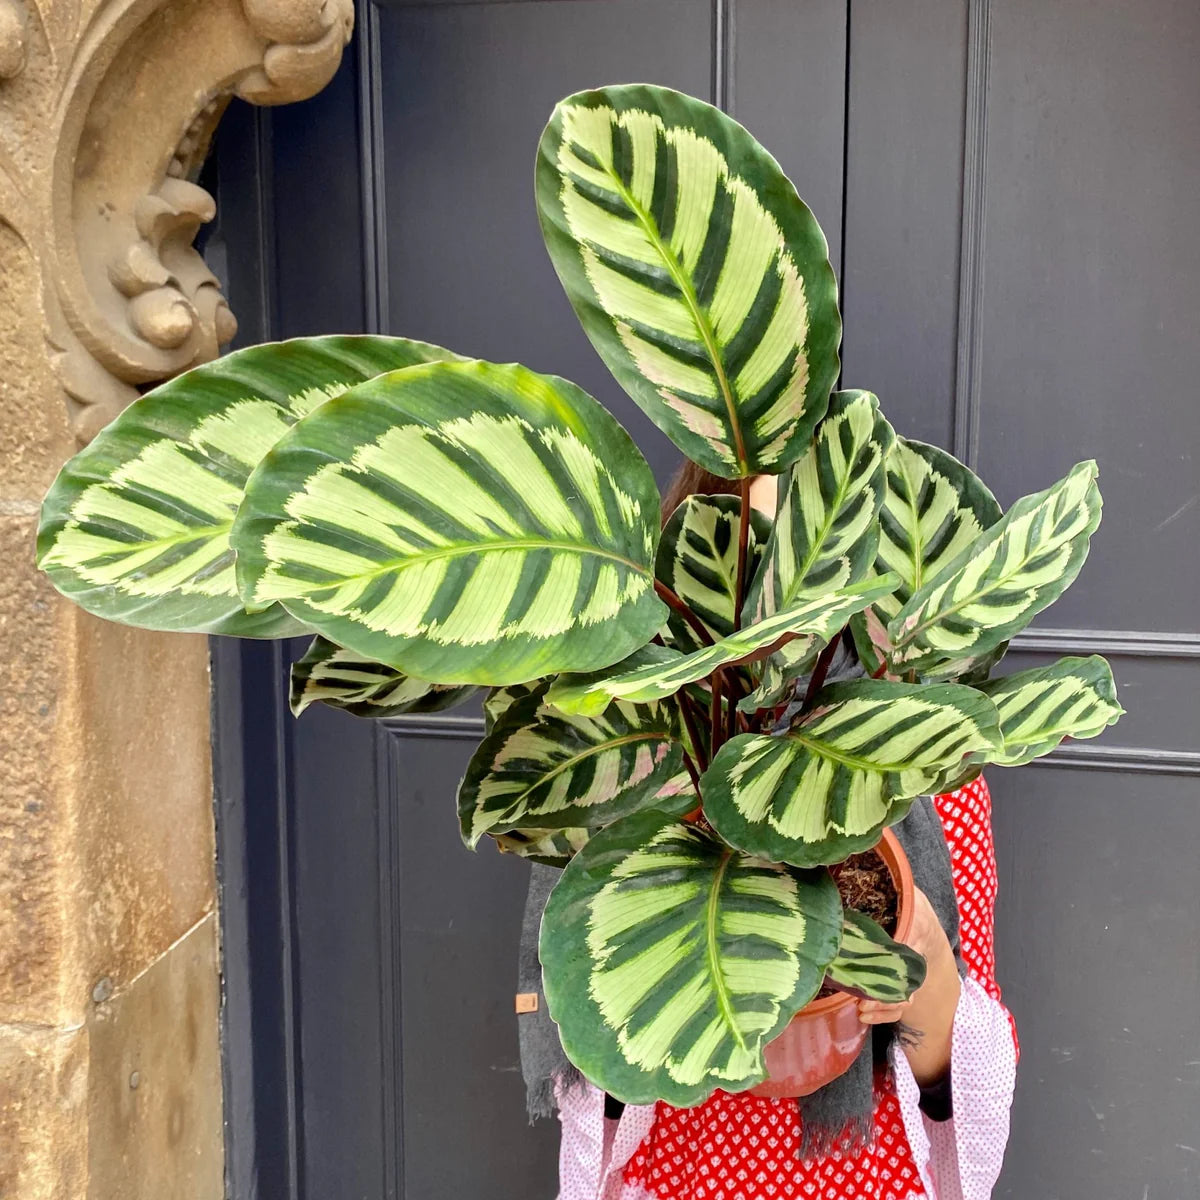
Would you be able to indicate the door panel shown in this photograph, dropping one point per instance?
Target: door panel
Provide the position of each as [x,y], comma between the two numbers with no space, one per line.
[1090,298]
[1097,952]
[1010,193]
[904,178]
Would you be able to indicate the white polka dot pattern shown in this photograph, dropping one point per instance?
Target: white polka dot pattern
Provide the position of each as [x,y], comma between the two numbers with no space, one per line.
[740,1147]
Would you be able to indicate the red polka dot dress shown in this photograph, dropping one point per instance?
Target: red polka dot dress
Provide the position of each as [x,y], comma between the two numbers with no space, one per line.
[741,1147]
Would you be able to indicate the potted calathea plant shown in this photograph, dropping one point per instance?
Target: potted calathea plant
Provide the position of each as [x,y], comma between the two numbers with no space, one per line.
[442,524]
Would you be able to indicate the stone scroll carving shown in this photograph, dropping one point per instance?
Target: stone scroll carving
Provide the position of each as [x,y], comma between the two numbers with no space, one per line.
[107,111]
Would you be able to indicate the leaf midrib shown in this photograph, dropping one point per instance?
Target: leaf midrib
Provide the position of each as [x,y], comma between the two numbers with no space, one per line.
[942,613]
[461,550]
[724,1001]
[195,533]
[813,554]
[852,760]
[654,735]
[692,301]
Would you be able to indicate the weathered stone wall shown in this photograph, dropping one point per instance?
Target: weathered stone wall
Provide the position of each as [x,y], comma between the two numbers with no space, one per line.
[110,1084]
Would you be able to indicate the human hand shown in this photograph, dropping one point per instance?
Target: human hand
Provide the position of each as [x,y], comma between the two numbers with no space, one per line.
[926,1018]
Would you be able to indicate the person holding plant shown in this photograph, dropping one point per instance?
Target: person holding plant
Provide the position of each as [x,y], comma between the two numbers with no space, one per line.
[951,1037]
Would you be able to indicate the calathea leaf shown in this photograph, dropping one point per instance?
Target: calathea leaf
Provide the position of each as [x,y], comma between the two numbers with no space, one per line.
[873,965]
[828,786]
[999,583]
[670,960]
[465,522]
[698,273]
[543,768]
[826,530]
[556,847]
[1074,697]
[698,557]
[136,526]
[780,672]
[500,699]
[819,617]
[342,679]
[552,847]
[934,508]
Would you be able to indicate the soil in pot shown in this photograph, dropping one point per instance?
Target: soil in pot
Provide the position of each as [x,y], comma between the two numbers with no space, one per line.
[866,885]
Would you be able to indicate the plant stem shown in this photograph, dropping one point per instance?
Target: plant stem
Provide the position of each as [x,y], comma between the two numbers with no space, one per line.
[715,742]
[819,672]
[673,601]
[691,770]
[739,596]
[689,719]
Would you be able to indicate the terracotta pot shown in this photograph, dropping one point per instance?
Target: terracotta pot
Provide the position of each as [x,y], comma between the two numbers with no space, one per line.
[825,1036]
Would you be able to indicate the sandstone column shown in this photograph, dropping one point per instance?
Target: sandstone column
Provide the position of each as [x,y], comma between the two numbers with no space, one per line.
[110,1082]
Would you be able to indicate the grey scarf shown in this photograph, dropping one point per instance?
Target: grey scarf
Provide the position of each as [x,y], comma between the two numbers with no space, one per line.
[838,1117]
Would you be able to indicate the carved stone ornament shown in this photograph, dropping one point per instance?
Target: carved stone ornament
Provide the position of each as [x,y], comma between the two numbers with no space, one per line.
[123,97]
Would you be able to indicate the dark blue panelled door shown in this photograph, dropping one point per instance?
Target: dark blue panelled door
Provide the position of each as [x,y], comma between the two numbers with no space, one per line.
[1010,192]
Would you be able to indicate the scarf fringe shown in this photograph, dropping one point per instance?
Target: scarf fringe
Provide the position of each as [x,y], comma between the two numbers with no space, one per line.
[853,1139]
[541,1097]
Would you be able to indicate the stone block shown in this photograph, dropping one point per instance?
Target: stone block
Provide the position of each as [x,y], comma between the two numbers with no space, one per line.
[38,937]
[154,1084]
[43,1114]
[143,778]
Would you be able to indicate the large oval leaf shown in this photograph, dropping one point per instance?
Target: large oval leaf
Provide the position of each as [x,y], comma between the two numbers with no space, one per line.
[700,276]
[1000,582]
[1072,698]
[826,788]
[933,509]
[698,560]
[670,960]
[816,618]
[545,769]
[136,526]
[826,530]
[332,675]
[465,522]
[873,965]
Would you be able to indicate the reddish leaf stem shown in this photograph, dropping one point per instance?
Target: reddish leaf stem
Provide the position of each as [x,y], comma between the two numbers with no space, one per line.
[673,601]
[717,725]
[739,596]
[689,719]
[819,672]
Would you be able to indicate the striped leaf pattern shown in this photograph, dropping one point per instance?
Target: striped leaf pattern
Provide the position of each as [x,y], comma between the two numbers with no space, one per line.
[697,559]
[329,674]
[500,699]
[934,508]
[780,673]
[552,847]
[546,769]
[670,960]
[999,583]
[827,787]
[700,276]
[556,847]
[1072,698]
[821,618]
[826,530]
[873,965]
[136,527]
[463,522]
